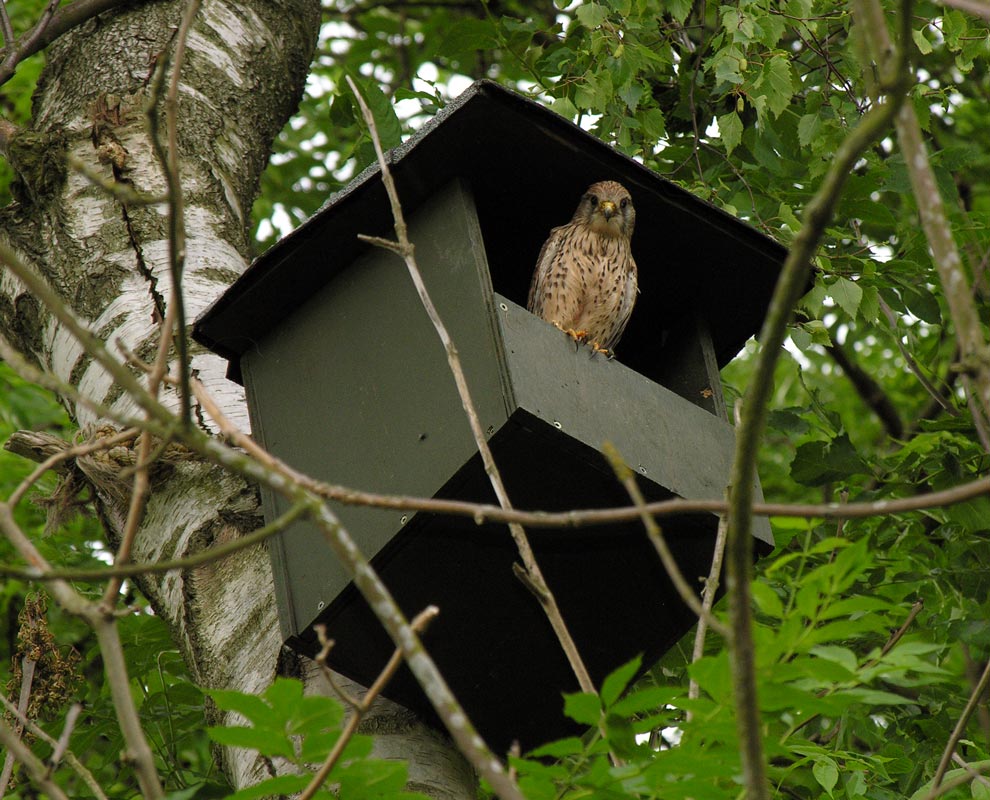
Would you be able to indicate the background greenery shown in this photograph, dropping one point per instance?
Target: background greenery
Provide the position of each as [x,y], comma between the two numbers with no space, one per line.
[743,103]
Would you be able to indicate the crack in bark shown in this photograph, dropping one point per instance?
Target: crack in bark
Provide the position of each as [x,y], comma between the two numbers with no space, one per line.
[156,297]
[110,112]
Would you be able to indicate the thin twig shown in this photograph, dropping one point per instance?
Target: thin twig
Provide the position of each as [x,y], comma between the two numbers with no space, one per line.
[912,364]
[899,633]
[123,193]
[142,482]
[708,602]
[27,679]
[262,471]
[966,776]
[62,745]
[69,453]
[359,707]
[481,512]
[533,575]
[68,755]
[52,25]
[8,44]
[168,157]
[975,698]
[136,749]
[790,285]
[977,777]
[945,254]
[979,8]
[130,570]
[628,480]
[35,767]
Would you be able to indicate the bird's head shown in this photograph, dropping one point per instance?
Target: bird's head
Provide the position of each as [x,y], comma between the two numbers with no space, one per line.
[608,209]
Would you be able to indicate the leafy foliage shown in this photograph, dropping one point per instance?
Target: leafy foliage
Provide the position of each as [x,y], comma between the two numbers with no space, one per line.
[171,706]
[303,730]
[743,103]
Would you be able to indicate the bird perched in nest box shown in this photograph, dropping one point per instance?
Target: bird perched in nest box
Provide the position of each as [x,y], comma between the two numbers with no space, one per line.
[585,279]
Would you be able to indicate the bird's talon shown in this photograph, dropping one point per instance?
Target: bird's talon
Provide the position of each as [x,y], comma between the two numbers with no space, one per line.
[597,348]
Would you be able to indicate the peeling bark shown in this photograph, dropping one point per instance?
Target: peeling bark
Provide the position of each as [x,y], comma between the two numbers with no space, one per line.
[242,78]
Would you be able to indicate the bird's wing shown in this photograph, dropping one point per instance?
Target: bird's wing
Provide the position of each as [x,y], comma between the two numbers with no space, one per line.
[544,264]
[625,306]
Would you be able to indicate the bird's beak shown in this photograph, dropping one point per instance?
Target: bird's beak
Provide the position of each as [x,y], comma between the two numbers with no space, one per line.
[608,208]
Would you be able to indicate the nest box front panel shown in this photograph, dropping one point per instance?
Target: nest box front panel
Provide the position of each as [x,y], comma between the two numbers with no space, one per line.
[354,388]
[663,437]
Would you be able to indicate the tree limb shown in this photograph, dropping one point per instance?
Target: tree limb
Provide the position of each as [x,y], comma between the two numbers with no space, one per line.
[790,285]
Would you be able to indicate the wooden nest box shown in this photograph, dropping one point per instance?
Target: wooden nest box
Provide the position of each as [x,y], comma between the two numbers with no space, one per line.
[347,381]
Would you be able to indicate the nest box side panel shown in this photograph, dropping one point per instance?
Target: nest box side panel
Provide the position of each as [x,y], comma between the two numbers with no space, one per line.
[668,440]
[663,437]
[354,389]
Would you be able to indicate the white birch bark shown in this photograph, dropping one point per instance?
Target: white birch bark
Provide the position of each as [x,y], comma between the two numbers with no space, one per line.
[242,77]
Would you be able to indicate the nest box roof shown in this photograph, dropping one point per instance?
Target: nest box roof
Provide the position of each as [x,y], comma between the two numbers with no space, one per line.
[526,167]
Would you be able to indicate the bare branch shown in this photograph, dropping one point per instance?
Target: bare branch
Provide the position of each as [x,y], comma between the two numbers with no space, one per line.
[358,707]
[975,697]
[790,285]
[628,480]
[27,678]
[974,355]
[35,767]
[535,579]
[130,570]
[67,755]
[52,25]
[980,8]
[8,43]
[168,156]
[708,601]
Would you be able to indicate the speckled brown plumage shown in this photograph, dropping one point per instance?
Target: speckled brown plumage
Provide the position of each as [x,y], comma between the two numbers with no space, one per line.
[585,280]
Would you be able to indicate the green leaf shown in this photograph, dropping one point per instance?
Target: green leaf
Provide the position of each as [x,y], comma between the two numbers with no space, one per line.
[387,123]
[767,600]
[776,81]
[284,695]
[559,749]
[730,129]
[591,15]
[258,739]
[252,707]
[972,515]
[641,701]
[617,681]
[281,785]
[847,294]
[631,93]
[874,697]
[840,655]
[679,9]
[564,107]
[314,714]
[583,707]
[817,463]
[826,773]
[923,45]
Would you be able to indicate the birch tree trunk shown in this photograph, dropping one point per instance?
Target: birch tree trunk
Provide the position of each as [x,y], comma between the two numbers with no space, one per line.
[241,79]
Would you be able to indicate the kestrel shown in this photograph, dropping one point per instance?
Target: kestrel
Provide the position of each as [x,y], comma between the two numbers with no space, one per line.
[585,278]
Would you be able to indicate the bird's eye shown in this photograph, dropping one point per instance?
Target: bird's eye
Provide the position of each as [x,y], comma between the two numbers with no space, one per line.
[592,200]
[624,202]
